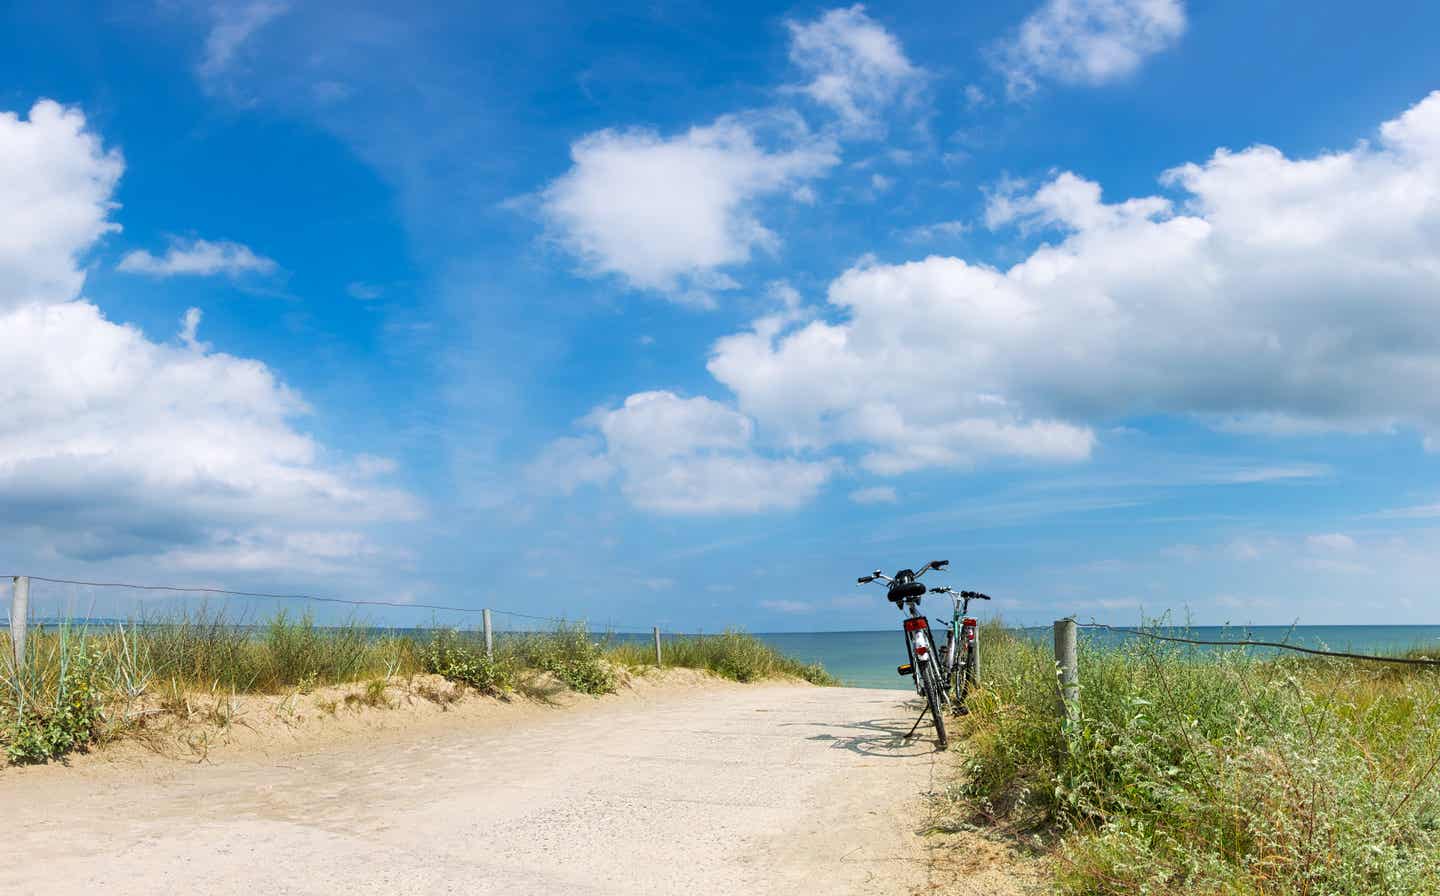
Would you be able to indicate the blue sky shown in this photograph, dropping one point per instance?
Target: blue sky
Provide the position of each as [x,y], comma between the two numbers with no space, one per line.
[693,313]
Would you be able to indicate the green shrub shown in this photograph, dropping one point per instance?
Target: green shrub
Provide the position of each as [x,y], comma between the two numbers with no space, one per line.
[569,653]
[53,718]
[463,661]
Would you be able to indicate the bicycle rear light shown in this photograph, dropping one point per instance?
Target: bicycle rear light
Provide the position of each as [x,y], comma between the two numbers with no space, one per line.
[916,624]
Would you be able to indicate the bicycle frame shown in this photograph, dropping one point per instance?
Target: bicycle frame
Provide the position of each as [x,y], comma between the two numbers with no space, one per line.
[961,654]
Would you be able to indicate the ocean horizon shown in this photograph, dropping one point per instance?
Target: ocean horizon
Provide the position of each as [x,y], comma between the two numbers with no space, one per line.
[868,658]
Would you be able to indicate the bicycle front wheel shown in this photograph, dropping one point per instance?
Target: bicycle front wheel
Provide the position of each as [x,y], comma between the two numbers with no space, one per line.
[934,696]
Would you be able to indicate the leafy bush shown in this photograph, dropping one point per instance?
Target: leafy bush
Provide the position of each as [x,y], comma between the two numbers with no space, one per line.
[569,653]
[1221,773]
[462,660]
[53,717]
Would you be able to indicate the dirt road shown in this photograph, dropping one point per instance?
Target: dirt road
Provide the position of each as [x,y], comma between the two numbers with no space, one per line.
[747,790]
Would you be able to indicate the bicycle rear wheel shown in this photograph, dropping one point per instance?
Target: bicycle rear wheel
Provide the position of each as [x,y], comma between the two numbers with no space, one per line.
[964,680]
[934,695]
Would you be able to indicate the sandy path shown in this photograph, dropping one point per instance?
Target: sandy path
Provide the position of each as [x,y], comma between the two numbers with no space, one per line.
[747,790]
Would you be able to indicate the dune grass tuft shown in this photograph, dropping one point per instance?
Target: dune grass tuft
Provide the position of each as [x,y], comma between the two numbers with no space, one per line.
[1212,773]
[80,685]
[735,655]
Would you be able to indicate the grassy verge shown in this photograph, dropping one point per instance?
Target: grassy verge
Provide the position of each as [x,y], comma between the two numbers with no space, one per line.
[80,685]
[1212,773]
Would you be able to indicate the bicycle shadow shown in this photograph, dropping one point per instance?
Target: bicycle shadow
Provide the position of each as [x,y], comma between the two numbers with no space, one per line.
[886,737]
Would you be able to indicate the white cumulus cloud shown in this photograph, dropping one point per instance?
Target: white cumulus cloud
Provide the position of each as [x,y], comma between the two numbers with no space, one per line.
[671,213]
[1276,294]
[1087,42]
[55,185]
[678,214]
[113,444]
[679,455]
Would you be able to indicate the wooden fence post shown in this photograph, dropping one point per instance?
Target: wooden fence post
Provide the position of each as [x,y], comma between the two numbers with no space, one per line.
[656,631]
[489,633]
[19,617]
[1067,666]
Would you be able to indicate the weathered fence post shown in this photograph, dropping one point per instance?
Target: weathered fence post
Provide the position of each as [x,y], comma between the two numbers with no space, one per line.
[489,633]
[1067,665]
[656,630]
[19,617]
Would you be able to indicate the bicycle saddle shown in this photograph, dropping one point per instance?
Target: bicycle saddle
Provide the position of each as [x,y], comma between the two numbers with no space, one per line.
[905,587]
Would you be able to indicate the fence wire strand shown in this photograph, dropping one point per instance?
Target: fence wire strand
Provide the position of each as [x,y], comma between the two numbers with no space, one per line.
[1247,642]
[179,589]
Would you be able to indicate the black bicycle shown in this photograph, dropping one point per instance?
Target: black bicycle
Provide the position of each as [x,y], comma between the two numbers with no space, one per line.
[905,590]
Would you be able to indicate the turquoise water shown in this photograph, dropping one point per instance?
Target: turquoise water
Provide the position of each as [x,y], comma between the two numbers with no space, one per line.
[868,659]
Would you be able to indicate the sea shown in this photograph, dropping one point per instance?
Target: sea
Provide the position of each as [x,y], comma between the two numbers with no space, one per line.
[868,659]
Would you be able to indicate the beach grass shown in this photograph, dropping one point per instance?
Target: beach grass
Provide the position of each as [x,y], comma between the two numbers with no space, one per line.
[1209,772]
[735,655]
[81,683]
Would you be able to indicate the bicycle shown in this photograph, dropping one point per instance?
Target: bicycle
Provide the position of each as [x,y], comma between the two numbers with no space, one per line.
[960,657]
[904,590]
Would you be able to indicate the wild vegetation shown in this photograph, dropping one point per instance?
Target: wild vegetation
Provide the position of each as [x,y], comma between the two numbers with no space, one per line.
[80,685]
[734,655]
[1197,772]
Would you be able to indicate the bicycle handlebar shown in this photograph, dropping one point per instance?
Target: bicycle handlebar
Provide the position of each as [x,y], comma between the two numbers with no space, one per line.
[933,564]
[968,595]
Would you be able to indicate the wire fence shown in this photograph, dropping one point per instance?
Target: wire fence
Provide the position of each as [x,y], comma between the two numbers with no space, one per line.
[53,600]
[1250,642]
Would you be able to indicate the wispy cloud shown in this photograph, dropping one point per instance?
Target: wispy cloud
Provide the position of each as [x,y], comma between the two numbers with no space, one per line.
[880,494]
[201,258]
[1087,42]
[926,233]
[855,67]
[1413,512]
[234,25]
[365,292]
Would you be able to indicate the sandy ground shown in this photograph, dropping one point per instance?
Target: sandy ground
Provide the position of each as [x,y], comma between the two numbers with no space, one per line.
[673,788]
